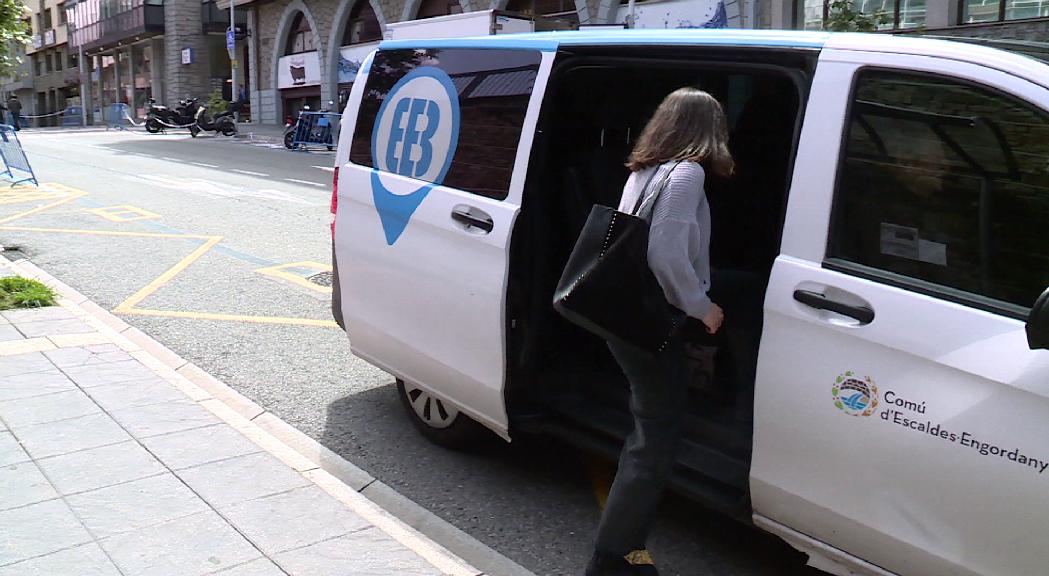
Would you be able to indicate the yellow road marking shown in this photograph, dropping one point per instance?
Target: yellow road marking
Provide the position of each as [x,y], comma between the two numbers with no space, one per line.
[128,305]
[230,317]
[124,213]
[281,271]
[19,195]
[42,208]
[167,275]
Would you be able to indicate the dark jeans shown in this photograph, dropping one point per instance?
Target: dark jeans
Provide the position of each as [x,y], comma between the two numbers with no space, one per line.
[16,118]
[657,400]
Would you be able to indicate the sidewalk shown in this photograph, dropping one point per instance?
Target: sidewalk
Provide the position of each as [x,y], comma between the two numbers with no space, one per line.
[113,463]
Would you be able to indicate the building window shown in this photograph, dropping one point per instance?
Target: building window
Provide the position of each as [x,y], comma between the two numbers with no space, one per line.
[899,14]
[47,60]
[73,62]
[976,11]
[48,24]
[38,64]
[362,25]
[61,16]
[560,9]
[300,38]
[433,8]
[944,188]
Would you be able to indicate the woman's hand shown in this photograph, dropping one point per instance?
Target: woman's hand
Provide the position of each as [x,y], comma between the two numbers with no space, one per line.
[713,319]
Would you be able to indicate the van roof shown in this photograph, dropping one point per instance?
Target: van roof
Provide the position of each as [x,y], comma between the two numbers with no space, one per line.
[550,41]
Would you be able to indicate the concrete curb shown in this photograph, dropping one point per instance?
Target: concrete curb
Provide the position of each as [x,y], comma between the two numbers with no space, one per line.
[442,544]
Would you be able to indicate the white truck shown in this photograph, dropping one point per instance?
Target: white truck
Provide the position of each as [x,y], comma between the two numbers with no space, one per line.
[482,23]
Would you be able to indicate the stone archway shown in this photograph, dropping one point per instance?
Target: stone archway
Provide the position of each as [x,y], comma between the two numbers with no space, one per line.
[283,28]
[330,82]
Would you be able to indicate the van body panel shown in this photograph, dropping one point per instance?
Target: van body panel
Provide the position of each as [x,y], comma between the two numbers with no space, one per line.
[943,471]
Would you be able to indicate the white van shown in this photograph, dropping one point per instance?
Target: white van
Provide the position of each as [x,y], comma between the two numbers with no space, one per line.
[885,241]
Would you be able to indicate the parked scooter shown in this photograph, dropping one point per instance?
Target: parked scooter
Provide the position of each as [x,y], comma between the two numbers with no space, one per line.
[223,122]
[320,133]
[158,118]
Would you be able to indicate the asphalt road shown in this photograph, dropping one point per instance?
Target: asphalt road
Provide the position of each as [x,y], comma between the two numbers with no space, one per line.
[246,226]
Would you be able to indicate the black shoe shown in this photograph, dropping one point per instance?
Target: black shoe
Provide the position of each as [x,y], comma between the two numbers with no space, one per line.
[604,565]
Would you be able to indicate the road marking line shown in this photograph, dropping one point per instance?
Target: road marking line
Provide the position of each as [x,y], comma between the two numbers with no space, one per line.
[306,182]
[171,159]
[166,277]
[124,213]
[280,271]
[42,208]
[328,168]
[104,232]
[228,317]
[204,165]
[248,172]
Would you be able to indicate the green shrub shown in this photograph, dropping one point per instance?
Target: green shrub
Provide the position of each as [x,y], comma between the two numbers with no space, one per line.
[18,292]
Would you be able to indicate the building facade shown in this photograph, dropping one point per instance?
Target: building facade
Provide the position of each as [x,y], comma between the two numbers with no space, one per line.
[53,71]
[141,49]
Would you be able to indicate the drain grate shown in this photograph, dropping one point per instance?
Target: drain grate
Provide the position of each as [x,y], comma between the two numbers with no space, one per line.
[14,253]
[322,279]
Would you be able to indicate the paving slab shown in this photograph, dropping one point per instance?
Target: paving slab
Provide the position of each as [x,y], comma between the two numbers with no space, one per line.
[25,364]
[11,451]
[34,384]
[38,314]
[100,467]
[134,505]
[84,560]
[99,374]
[8,332]
[144,421]
[293,519]
[195,545]
[382,556]
[38,529]
[23,484]
[47,408]
[241,478]
[198,446]
[65,436]
[52,327]
[87,355]
[260,567]
[112,397]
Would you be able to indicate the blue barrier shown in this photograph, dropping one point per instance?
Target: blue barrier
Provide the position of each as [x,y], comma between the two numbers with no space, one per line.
[16,166]
[315,128]
[115,115]
[72,116]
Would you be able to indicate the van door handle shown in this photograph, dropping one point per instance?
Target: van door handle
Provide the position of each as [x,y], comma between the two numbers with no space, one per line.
[469,216]
[862,314]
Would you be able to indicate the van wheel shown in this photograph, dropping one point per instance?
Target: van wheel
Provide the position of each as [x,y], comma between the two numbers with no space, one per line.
[437,420]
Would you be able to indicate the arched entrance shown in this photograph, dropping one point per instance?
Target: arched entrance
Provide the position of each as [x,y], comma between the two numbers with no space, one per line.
[361,32]
[298,68]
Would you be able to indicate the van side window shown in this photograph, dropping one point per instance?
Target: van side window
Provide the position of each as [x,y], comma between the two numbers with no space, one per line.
[946,183]
[494,88]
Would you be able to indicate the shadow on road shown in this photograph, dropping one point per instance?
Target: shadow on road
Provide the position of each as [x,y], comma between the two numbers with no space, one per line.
[532,500]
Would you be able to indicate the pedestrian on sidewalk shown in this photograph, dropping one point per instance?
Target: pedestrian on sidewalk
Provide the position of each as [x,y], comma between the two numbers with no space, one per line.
[686,138]
[14,111]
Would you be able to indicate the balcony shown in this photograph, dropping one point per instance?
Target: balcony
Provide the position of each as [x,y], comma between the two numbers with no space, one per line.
[143,19]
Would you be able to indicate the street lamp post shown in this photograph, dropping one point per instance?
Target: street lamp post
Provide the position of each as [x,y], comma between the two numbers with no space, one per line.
[231,45]
[85,95]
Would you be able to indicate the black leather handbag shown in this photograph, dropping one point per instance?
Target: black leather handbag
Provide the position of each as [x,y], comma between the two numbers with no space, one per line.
[607,286]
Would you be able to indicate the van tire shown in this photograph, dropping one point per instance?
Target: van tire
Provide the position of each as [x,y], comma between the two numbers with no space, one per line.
[459,432]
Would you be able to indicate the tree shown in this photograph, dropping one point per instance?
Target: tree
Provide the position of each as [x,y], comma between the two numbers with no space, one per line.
[844,18]
[13,31]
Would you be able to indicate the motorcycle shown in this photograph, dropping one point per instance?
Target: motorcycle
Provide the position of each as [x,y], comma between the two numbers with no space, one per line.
[223,122]
[320,133]
[158,118]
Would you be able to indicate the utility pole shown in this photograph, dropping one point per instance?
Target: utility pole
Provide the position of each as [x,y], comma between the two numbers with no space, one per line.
[231,46]
[85,95]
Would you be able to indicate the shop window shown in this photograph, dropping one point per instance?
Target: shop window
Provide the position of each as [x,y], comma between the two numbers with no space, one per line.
[561,9]
[433,8]
[300,38]
[944,188]
[897,14]
[362,25]
[975,11]
[493,101]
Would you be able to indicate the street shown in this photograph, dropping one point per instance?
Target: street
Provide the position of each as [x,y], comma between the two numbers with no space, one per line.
[218,249]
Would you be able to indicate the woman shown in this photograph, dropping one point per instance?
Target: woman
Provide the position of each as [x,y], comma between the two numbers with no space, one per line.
[687,136]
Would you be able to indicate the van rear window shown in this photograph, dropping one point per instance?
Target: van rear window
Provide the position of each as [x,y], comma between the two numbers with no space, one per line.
[493,88]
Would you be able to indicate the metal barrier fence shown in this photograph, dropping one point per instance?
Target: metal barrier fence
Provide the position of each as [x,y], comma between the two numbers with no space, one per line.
[72,116]
[316,128]
[115,115]
[16,166]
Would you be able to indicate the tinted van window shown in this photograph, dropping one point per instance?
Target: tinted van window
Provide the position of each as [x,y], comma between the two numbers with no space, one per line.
[948,183]
[494,87]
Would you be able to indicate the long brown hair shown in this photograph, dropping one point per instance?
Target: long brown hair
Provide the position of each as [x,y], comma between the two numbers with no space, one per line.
[688,125]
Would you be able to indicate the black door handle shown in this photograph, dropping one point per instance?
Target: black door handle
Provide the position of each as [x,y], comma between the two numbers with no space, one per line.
[478,221]
[816,300]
